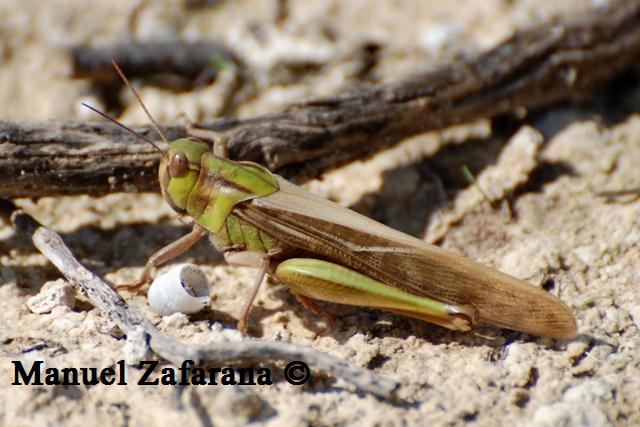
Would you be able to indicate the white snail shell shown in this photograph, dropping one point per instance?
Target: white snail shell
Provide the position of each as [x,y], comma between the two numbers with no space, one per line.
[183,289]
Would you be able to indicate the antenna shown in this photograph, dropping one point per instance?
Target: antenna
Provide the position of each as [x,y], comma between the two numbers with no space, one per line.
[123,126]
[126,81]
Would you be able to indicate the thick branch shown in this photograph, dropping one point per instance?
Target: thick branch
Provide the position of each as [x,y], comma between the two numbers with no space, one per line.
[534,68]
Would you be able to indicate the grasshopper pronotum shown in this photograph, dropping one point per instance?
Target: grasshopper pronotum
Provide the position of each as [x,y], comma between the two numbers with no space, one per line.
[323,251]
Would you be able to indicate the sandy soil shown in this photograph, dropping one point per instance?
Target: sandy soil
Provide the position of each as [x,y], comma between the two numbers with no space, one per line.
[562,227]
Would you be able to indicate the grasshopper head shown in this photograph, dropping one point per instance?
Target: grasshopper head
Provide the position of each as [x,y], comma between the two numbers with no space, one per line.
[179,170]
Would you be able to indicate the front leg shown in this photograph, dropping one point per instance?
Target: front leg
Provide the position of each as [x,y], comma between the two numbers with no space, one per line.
[169,252]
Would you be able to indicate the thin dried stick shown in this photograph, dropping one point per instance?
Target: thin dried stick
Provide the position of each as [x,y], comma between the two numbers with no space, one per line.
[133,322]
[186,59]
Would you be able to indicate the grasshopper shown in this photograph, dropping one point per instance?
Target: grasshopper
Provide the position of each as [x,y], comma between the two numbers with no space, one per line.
[323,251]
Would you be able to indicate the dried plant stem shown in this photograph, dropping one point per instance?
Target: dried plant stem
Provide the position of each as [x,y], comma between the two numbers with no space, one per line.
[131,321]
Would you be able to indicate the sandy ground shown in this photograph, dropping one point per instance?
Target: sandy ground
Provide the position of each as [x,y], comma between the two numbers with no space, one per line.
[563,228]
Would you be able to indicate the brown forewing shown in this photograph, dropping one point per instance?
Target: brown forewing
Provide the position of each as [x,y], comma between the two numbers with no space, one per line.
[313,224]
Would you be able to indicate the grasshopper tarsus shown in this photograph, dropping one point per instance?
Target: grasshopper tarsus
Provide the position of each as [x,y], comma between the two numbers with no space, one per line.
[133,287]
[243,326]
[311,305]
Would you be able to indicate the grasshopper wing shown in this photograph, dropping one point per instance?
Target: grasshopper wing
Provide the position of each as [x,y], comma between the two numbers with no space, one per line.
[329,231]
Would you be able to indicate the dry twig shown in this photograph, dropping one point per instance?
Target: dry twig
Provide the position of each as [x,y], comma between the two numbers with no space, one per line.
[191,61]
[132,322]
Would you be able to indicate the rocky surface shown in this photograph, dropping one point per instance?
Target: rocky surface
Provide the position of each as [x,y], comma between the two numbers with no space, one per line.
[562,219]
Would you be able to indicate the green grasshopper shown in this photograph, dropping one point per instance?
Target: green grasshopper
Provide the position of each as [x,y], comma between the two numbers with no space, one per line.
[323,251]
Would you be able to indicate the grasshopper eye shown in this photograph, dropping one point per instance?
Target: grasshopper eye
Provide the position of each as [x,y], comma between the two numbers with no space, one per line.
[179,164]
